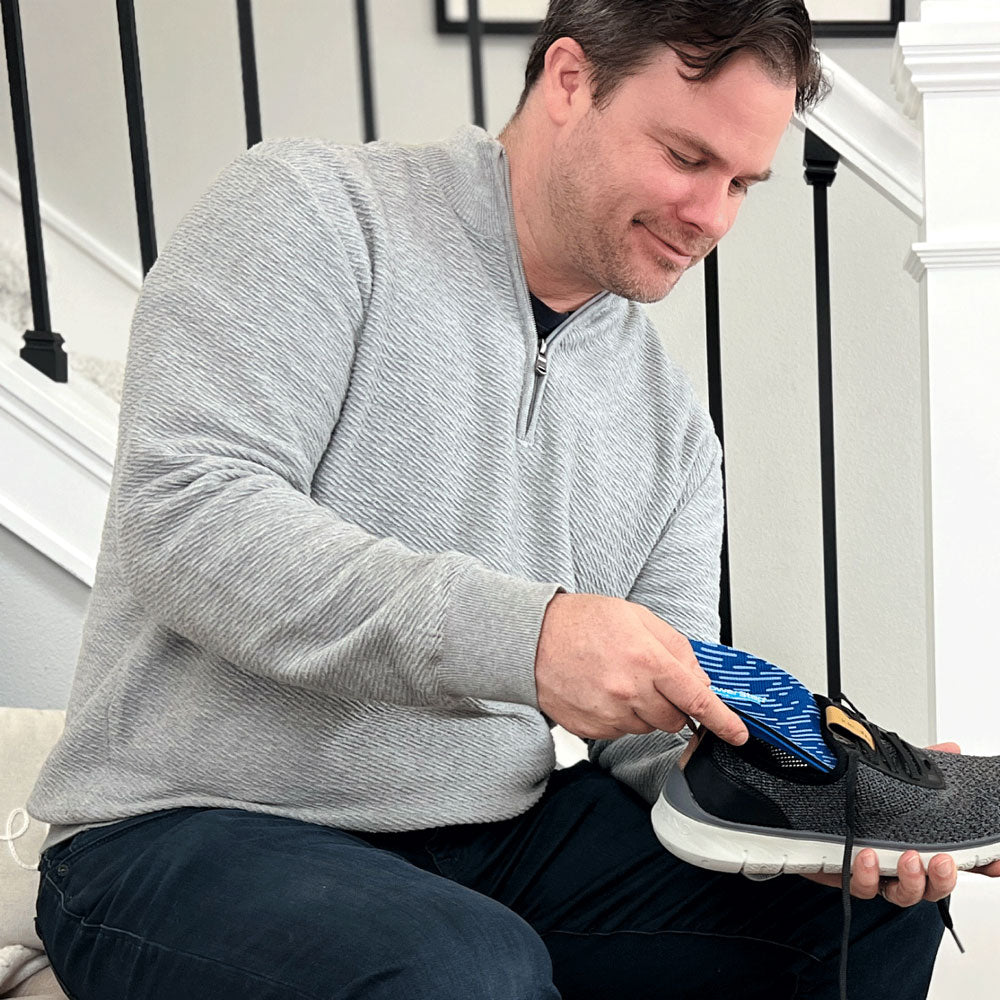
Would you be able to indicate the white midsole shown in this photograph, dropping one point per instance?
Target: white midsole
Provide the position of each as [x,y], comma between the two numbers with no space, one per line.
[727,850]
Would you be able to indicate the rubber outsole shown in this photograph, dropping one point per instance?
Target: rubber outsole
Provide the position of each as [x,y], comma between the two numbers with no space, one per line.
[734,848]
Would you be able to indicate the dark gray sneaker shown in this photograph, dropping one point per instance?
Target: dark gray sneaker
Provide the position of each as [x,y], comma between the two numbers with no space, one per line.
[759,810]
[762,811]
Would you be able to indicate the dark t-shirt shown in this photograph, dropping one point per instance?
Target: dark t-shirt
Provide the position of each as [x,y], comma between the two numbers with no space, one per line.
[546,319]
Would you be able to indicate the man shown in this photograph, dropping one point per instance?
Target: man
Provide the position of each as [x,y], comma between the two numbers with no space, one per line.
[370,537]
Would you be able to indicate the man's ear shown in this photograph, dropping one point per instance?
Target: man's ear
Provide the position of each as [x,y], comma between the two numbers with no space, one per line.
[565,81]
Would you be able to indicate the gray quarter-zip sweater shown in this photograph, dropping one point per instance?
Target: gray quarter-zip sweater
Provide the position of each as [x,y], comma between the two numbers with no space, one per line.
[347,485]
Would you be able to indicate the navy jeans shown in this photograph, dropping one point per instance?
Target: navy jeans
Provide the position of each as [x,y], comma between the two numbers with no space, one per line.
[575,898]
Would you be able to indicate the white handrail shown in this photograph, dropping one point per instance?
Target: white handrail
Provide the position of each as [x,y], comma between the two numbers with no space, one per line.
[876,141]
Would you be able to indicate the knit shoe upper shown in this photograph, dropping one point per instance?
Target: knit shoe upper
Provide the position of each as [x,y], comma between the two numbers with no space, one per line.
[904,797]
[943,802]
[763,810]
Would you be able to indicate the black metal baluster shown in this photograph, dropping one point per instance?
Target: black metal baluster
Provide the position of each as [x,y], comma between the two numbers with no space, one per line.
[365,67]
[248,65]
[137,133]
[476,54]
[43,349]
[713,333]
[821,161]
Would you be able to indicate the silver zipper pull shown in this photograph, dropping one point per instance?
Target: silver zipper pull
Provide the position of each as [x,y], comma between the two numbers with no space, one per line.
[541,361]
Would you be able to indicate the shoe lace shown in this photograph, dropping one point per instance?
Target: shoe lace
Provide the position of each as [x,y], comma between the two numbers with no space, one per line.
[890,748]
[913,763]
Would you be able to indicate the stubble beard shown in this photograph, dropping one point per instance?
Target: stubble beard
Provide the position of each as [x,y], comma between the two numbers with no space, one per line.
[594,240]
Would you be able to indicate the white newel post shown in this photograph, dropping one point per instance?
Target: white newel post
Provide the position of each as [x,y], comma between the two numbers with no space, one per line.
[947,72]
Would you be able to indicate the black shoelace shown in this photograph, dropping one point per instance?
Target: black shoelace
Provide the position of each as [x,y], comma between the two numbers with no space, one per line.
[913,764]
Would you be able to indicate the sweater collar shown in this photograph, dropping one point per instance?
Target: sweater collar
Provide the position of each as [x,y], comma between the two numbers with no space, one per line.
[474,180]
[477,183]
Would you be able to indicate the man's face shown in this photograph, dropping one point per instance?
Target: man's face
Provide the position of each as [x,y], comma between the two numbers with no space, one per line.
[645,188]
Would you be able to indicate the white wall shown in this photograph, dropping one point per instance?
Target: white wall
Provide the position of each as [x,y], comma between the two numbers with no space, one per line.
[308,82]
[42,619]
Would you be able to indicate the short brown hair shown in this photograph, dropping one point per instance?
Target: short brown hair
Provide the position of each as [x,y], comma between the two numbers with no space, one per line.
[619,37]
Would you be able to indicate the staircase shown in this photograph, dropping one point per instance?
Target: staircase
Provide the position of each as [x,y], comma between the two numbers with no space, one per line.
[925,159]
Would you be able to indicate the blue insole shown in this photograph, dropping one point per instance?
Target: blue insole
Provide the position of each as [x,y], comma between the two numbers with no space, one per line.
[776,707]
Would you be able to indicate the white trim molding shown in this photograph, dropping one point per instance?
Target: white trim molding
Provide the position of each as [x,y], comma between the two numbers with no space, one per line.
[947,69]
[938,55]
[949,255]
[59,223]
[56,461]
[878,143]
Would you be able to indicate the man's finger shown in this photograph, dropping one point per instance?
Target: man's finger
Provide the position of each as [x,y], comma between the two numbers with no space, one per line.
[911,882]
[707,707]
[941,877]
[992,870]
[640,721]
[677,645]
[864,875]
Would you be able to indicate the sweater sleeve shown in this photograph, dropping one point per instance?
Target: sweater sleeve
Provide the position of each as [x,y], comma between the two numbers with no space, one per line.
[239,362]
[680,583]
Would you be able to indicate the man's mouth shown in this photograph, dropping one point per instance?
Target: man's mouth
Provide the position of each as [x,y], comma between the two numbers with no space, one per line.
[679,255]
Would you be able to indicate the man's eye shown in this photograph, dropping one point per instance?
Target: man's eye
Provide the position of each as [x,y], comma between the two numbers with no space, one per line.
[682,160]
[740,187]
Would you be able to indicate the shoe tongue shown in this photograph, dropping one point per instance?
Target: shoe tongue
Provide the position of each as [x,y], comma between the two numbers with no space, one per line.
[839,722]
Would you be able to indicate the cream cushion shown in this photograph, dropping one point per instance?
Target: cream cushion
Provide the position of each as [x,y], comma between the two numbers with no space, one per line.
[26,737]
[41,986]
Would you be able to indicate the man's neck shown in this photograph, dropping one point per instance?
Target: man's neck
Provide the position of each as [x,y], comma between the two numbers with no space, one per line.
[545,263]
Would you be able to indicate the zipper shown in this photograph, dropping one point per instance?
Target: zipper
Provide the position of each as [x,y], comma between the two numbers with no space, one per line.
[541,362]
[541,367]
[542,355]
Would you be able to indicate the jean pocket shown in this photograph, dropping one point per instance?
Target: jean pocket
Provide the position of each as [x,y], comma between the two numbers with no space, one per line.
[86,839]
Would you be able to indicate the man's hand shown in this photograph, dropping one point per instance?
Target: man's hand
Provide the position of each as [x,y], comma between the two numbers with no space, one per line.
[913,882]
[605,667]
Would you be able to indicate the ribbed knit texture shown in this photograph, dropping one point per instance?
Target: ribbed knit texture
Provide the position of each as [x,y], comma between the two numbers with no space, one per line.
[333,533]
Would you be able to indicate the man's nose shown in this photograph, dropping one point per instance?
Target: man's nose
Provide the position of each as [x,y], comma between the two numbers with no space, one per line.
[708,206]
